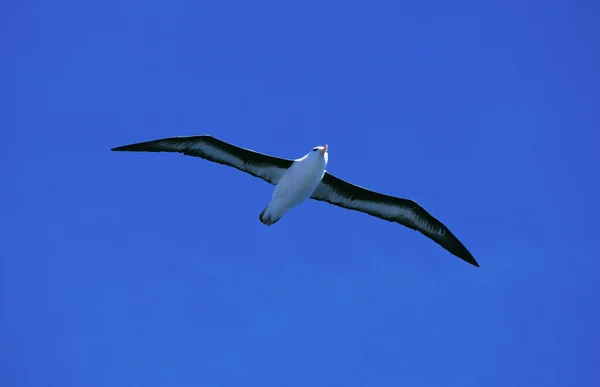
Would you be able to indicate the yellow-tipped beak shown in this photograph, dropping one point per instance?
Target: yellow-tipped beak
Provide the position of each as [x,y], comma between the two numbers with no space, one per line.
[323,150]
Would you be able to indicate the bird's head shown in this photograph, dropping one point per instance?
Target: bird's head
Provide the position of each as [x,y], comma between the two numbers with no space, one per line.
[319,152]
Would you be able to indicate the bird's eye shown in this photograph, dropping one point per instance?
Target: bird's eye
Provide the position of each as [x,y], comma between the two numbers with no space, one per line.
[315,149]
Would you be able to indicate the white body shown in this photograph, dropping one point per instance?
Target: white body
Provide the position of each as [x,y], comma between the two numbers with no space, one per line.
[296,185]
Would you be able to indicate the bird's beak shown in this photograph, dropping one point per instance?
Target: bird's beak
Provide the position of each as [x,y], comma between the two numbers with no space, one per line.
[322,150]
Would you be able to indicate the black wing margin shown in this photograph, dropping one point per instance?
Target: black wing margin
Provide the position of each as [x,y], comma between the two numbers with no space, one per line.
[403,211]
[266,167]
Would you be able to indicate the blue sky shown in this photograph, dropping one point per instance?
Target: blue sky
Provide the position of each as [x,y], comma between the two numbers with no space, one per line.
[123,269]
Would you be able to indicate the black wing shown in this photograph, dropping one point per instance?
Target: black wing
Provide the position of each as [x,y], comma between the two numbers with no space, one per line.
[406,212]
[268,168]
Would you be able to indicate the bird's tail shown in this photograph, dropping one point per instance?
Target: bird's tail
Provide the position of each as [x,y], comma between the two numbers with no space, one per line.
[266,218]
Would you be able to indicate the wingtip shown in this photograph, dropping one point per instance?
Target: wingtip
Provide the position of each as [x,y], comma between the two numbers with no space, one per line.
[471,260]
[465,255]
[121,147]
[461,252]
[130,147]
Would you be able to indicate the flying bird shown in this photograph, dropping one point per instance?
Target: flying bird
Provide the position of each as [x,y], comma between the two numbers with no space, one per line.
[306,177]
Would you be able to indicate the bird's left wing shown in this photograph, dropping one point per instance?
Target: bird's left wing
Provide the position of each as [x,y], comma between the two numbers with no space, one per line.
[268,168]
[403,211]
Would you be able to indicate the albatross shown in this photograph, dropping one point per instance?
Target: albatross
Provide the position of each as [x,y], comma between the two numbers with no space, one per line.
[306,177]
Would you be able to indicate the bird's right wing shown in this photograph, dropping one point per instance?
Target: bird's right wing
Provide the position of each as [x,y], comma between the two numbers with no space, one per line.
[268,168]
[406,212]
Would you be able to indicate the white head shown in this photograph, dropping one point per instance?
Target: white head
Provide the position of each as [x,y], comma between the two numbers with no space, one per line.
[319,153]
